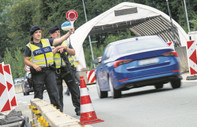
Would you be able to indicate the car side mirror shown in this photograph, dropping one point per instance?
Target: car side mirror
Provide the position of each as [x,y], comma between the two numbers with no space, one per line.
[97,60]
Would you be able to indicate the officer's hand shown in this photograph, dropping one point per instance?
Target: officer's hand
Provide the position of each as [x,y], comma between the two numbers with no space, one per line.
[37,68]
[72,30]
[61,50]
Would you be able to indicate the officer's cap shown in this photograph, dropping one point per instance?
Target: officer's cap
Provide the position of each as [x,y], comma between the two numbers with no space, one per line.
[34,28]
[53,29]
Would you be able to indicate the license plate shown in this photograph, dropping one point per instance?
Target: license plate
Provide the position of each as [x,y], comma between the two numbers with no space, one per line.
[148,61]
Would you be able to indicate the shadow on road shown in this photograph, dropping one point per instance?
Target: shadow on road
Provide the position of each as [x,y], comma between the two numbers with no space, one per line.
[151,91]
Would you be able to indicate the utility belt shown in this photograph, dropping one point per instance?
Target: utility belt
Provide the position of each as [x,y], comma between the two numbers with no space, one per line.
[43,69]
[61,69]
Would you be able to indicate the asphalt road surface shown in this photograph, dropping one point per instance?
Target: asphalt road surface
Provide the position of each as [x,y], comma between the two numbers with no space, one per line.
[140,107]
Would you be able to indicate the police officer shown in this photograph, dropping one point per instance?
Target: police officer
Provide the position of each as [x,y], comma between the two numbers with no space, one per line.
[39,56]
[74,65]
[62,72]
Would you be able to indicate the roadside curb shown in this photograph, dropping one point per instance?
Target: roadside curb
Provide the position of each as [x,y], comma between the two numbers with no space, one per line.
[45,114]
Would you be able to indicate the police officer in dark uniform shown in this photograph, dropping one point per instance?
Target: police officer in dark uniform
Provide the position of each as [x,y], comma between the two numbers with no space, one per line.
[39,56]
[61,69]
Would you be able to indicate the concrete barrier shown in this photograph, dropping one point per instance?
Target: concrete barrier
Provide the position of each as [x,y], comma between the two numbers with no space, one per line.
[182,54]
[45,114]
[83,73]
[18,88]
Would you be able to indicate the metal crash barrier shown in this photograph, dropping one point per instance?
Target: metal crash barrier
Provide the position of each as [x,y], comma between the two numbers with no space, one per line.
[46,115]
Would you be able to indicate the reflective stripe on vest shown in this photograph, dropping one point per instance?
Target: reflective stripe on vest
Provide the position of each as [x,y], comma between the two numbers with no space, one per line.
[74,62]
[57,58]
[59,61]
[41,56]
[71,59]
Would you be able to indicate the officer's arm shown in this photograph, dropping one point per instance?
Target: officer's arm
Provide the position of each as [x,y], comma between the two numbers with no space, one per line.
[70,51]
[64,37]
[58,48]
[55,50]
[27,62]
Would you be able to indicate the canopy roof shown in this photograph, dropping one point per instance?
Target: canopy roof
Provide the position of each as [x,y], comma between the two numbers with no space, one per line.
[140,19]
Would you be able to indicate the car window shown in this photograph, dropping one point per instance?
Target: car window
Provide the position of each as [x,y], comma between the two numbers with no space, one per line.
[107,53]
[104,57]
[139,45]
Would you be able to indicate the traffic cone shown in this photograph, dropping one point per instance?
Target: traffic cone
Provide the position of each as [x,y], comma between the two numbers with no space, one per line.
[88,115]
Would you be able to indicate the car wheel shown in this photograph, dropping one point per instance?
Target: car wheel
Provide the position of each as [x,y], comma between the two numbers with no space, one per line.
[114,93]
[26,93]
[101,94]
[158,86]
[176,83]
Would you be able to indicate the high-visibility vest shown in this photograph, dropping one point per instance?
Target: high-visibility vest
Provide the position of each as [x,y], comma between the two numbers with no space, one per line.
[41,56]
[71,59]
[75,63]
[57,57]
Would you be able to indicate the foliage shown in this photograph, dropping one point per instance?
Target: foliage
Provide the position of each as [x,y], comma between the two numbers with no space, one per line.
[22,16]
[193,22]
[15,60]
[4,11]
[17,17]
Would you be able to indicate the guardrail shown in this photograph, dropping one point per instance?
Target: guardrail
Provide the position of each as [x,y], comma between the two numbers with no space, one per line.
[46,115]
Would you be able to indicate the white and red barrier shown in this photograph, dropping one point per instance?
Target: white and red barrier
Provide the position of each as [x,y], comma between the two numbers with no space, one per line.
[91,76]
[10,85]
[192,58]
[4,95]
[7,91]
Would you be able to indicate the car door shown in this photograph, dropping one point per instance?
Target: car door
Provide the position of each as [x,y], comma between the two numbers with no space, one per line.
[100,78]
[106,60]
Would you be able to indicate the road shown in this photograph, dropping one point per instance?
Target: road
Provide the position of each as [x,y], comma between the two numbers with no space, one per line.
[141,107]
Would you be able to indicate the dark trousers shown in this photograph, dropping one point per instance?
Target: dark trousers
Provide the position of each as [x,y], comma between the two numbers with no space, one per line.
[76,75]
[47,78]
[73,88]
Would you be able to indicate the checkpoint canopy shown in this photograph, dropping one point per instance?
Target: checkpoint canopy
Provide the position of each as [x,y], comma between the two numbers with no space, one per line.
[140,19]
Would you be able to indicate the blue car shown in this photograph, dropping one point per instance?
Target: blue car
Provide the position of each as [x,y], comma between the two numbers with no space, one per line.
[137,62]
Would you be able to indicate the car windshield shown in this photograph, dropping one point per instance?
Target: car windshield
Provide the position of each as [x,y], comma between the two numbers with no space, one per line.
[139,45]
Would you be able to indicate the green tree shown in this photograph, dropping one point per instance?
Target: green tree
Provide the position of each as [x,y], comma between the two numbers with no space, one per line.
[15,59]
[4,11]
[22,17]
[194,23]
